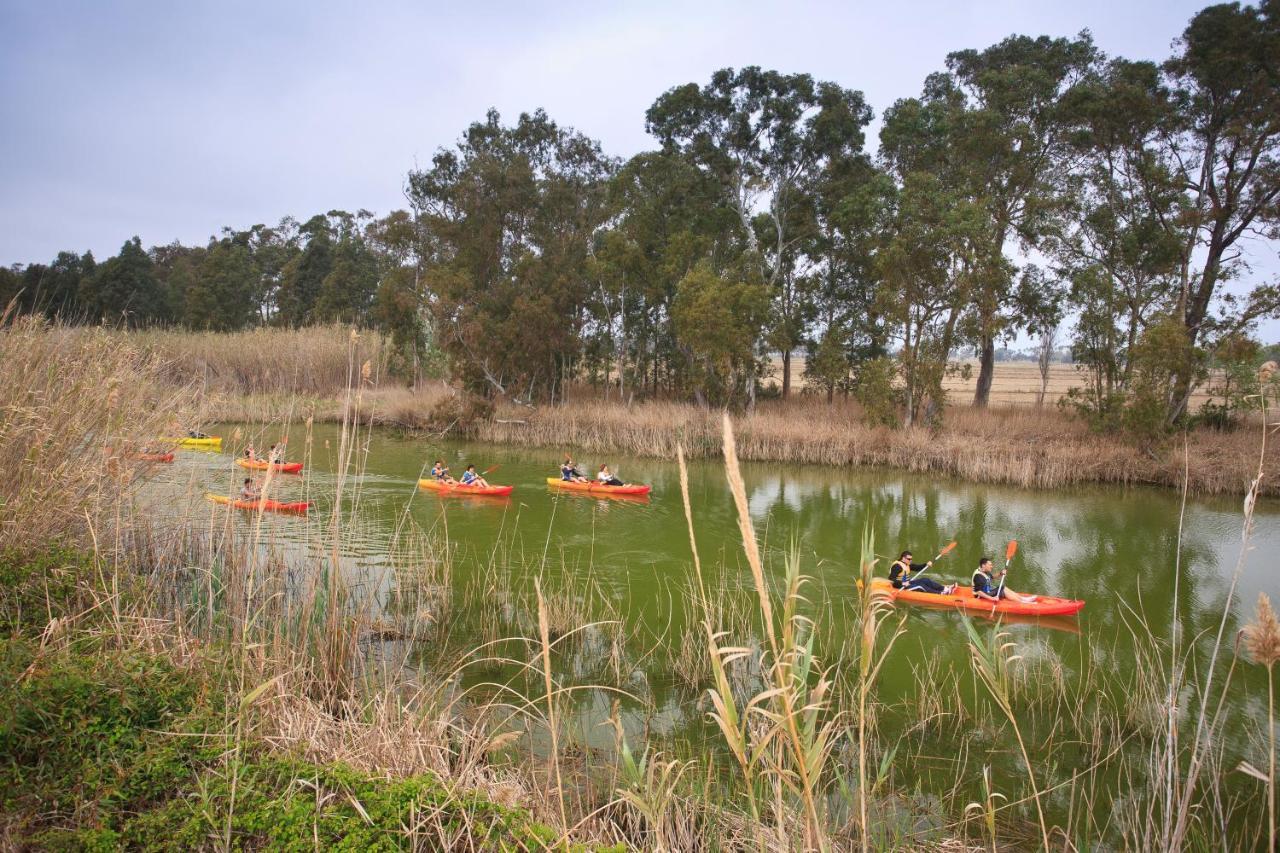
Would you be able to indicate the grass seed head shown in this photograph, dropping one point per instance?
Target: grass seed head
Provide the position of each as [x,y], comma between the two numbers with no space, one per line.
[1262,636]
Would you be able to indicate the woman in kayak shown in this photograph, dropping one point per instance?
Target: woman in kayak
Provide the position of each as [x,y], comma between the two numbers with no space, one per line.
[901,576]
[570,473]
[471,478]
[985,587]
[249,492]
[249,452]
[607,479]
[440,471]
[276,454]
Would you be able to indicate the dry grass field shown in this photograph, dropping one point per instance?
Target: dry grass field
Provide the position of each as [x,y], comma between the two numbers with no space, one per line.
[1016,383]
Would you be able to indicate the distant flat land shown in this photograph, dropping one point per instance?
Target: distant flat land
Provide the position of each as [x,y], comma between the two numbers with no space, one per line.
[1016,383]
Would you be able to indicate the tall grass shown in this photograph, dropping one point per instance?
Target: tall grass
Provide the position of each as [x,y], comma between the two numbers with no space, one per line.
[1030,449]
[76,405]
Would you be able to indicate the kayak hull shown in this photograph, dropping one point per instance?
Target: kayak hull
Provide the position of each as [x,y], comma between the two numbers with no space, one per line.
[963,599]
[293,508]
[459,489]
[597,488]
[206,443]
[278,467]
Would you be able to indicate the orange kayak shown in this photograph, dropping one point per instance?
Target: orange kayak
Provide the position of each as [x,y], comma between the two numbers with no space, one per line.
[459,489]
[597,488]
[296,507]
[260,465]
[963,599]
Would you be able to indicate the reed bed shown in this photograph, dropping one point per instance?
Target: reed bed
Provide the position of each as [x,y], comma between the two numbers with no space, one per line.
[1030,449]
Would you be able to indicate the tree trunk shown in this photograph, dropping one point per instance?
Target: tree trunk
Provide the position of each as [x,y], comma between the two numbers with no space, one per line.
[986,371]
[786,373]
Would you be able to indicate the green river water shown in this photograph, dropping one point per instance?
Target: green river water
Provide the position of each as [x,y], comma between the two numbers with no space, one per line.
[629,560]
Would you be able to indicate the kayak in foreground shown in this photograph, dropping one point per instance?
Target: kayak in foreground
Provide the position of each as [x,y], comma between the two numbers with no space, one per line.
[296,507]
[206,442]
[597,488]
[964,599]
[260,465]
[459,489]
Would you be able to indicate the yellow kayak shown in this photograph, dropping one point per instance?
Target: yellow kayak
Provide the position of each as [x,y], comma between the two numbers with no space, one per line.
[213,441]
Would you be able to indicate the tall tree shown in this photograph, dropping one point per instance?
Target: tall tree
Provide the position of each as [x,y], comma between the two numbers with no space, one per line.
[302,278]
[766,138]
[1119,254]
[1226,154]
[1007,138]
[124,289]
[511,212]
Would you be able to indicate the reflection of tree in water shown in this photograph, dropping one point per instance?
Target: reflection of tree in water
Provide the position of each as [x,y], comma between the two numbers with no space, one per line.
[1127,550]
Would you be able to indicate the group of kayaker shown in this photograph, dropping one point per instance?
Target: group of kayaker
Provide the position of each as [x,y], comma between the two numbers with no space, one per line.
[569,473]
[906,575]
[440,471]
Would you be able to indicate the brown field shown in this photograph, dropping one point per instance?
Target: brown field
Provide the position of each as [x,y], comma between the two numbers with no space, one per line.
[1015,383]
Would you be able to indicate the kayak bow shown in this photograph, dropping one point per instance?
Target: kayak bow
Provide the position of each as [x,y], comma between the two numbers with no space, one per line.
[260,465]
[964,599]
[458,489]
[597,488]
[296,507]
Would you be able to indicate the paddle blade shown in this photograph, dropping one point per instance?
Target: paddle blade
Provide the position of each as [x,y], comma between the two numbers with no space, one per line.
[1011,550]
[947,550]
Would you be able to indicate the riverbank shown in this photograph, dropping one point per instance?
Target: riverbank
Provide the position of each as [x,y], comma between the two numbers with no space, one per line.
[1029,448]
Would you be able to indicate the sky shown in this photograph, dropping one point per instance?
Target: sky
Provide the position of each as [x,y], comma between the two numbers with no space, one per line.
[171,120]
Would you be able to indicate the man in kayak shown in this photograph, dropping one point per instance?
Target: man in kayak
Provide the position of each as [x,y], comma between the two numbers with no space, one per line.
[606,478]
[276,454]
[570,473]
[987,587]
[471,478]
[902,575]
[249,452]
[249,492]
[440,471]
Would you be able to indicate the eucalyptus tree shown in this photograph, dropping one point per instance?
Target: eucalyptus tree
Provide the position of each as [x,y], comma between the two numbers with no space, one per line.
[665,216]
[1225,154]
[766,137]
[1005,146]
[1120,255]
[510,213]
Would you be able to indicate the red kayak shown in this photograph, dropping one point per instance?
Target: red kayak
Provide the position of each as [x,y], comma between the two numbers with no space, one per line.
[296,507]
[964,599]
[458,489]
[260,465]
[597,488]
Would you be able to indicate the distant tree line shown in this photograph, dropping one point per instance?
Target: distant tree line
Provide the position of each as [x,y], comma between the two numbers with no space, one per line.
[1029,182]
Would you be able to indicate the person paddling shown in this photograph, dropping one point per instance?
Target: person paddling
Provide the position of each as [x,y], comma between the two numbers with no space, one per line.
[471,478]
[249,492]
[606,478]
[276,454]
[249,452]
[986,588]
[569,472]
[440,471]
[903,572]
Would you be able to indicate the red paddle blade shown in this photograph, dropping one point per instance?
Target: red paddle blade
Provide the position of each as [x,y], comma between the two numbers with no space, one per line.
[1011,550]
[947,550]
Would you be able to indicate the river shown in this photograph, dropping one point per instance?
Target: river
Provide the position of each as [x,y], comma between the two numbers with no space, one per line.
[629,561]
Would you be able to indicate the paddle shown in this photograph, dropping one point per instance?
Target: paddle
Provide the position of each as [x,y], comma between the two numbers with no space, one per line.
[1008,558]
[944,552]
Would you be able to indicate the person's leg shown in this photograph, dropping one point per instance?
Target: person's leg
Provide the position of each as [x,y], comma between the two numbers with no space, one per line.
[926,585]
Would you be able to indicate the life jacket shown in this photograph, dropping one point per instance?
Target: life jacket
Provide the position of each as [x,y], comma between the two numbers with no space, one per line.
[981,581]
[898,574]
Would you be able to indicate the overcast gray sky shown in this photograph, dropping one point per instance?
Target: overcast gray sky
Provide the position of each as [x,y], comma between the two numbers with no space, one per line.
[171,119]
